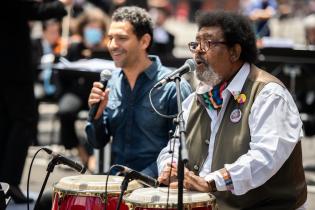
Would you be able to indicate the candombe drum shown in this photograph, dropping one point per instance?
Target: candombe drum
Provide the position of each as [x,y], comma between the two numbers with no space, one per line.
[156,199]
[88,192]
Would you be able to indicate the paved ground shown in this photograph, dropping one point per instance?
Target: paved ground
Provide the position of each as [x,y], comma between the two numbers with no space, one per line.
[48,131]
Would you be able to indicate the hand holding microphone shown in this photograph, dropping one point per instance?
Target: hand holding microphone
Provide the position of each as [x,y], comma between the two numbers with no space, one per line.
[98,98]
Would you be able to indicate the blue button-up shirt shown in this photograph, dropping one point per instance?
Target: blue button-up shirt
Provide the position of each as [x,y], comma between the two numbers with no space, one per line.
[138,132]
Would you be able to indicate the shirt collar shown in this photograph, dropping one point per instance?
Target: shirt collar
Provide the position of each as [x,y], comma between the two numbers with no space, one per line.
[237,83]
[152,69]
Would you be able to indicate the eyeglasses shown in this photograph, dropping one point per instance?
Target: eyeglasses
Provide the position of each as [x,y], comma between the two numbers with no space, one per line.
[205,45]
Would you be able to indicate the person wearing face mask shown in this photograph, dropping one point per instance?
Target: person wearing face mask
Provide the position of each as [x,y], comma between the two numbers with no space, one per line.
[243,129]
[163,41]
[92,36]
[91,28]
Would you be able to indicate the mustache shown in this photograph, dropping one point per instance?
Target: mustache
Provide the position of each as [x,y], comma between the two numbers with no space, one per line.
[116,50]
[199,59]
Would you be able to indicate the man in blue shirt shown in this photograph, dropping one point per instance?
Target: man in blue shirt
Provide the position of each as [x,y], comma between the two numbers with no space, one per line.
[125,113]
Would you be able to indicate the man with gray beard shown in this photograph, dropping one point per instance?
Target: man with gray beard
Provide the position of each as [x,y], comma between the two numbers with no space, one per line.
[243,129]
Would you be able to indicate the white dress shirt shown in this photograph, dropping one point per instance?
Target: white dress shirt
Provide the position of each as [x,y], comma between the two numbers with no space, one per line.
[275,128]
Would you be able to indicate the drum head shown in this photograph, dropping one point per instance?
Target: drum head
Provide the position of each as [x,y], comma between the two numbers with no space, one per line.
[93,184]
[157,198]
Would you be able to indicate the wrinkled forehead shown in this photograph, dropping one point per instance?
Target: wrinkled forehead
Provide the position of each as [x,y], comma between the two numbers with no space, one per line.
[210,33]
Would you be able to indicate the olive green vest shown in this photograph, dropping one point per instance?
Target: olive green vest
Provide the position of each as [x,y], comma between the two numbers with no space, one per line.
[285,190]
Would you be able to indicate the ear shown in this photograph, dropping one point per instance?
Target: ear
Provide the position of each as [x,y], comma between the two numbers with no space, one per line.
[235,52]
[145,41]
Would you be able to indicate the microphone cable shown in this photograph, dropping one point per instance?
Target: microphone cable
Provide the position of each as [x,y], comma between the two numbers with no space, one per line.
[172,150]
[29,174]
[159,113]
[106,183]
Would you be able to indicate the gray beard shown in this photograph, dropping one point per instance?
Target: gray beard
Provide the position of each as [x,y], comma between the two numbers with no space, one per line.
[208,76]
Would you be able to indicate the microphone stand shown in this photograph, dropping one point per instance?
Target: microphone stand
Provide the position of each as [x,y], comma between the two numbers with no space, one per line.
[50,169]
[183,153]
[123,188]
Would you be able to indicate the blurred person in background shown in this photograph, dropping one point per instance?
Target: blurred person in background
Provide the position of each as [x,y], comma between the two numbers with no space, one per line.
[17,101]
[46,51]
[109,6]
[92,30]
[306,90]
[163,41]
[115,4]
[309,26]
[48,43]
[259,12]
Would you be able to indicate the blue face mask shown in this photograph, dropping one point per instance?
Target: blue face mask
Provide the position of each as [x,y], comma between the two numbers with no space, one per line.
[93,36]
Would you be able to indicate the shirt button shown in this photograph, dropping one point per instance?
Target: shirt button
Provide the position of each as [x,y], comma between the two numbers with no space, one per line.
[207,141]
[196,167]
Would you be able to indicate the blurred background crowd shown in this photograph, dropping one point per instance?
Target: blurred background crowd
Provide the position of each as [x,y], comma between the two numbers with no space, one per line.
[285,31]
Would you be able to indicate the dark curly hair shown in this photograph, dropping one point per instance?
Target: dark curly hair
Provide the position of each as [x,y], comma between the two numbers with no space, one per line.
[237,29]
[139,19]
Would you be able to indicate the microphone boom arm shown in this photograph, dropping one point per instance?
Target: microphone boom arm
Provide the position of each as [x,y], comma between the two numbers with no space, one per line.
[189,66]
[50,169]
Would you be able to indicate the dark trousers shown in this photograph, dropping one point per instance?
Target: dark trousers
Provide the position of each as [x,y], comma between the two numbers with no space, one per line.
[17,129]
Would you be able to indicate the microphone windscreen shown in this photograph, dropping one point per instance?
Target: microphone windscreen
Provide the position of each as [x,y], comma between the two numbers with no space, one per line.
[105,75]
[192,64]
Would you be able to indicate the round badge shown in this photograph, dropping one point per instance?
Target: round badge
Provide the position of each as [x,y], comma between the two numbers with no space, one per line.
[236,115]
[241,99]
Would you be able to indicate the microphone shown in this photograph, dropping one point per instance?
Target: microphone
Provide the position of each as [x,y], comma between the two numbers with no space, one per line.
[59,159]
[72,164]
[104,77]
[140,177]
[189,66]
